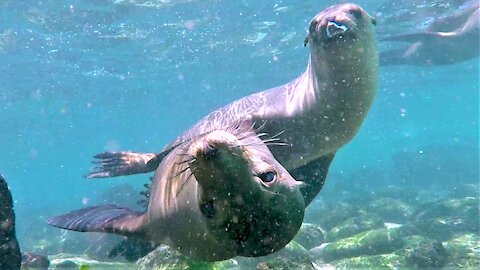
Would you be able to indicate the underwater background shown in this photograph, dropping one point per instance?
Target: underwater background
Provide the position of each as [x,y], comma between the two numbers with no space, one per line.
[81,77]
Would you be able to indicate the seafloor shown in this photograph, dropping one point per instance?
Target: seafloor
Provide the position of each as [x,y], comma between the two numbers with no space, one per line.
[393,228]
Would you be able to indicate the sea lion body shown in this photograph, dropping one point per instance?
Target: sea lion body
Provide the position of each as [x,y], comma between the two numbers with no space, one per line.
[316,113]
[448,40]
[307,119]
[208,200]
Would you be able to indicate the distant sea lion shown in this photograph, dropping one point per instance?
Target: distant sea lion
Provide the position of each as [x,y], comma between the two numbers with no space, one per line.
[217,196]
[318,112]
[447,40]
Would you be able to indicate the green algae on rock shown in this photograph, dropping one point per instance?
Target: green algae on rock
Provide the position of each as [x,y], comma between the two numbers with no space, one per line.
[463,251]
[354,226]
[440,229]
[165,258]
[293,256]
[332,215]
[466,209]
[309,236]
[374,242]
[84,260]
[382,261]
[390,210]
[423,253]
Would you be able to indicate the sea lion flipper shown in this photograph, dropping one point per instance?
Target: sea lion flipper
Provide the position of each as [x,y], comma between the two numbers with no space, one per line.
[313,174]
[102,218]
[111,164]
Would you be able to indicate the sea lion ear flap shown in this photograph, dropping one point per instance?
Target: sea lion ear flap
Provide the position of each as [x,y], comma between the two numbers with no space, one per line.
[305,41]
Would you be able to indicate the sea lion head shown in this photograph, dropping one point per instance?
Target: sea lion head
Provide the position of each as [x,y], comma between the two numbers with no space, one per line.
[342,31]
[249,201]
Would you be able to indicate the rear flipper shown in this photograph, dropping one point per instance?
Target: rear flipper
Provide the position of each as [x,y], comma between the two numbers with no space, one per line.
[111,164]
[103,218]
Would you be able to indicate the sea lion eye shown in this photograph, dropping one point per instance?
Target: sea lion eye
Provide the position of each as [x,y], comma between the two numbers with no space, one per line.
[268,177]
[374,22]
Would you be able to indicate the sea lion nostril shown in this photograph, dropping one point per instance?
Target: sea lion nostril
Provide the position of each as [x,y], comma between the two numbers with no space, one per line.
[210,152]
[356,13]
[207,209]
[334,28]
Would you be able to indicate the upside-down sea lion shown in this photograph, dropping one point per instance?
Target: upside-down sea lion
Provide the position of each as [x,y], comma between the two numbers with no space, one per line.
[316,113]
[217,196]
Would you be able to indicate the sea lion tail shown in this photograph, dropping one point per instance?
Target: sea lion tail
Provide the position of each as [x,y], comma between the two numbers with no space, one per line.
[103,218]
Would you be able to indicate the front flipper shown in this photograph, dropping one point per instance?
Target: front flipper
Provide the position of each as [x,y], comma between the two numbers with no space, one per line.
[102,218]
[313,174]
[110,164]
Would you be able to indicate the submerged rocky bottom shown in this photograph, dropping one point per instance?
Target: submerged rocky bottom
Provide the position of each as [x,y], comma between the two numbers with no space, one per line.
[384,230]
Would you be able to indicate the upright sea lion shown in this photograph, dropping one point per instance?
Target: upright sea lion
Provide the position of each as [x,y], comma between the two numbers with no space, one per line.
[217,196]
[318,112]
[447,40]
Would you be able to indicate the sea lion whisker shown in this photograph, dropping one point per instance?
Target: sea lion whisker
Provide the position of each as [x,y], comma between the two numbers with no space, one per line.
[250,144]
[182,154]
[262,126]
[189,161]
[278,134]
[259,135]
[278,143]
[184,183]
[271,140]
[179,173]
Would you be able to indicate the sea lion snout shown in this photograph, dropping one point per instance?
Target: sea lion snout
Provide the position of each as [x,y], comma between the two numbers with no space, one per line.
[338,21]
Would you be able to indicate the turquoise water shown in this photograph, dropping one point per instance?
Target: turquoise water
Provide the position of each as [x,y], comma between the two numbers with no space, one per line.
[82,77]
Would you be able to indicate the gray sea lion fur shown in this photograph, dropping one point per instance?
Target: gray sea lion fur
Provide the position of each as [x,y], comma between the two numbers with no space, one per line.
[318,112]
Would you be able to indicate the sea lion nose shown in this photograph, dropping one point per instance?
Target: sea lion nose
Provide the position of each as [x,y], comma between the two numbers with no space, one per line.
[335,28]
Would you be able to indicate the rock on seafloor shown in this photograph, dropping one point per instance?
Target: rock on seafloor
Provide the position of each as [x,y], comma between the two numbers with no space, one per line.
[10,256]
[391,210]
[309,236]
[34,261]
[293,256]
[463,251]
[373,242]
[354,226]
[166,258]
[65,260]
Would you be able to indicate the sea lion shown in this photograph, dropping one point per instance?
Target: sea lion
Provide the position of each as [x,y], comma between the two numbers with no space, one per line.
[318,112]
[217,196]
[447,40]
